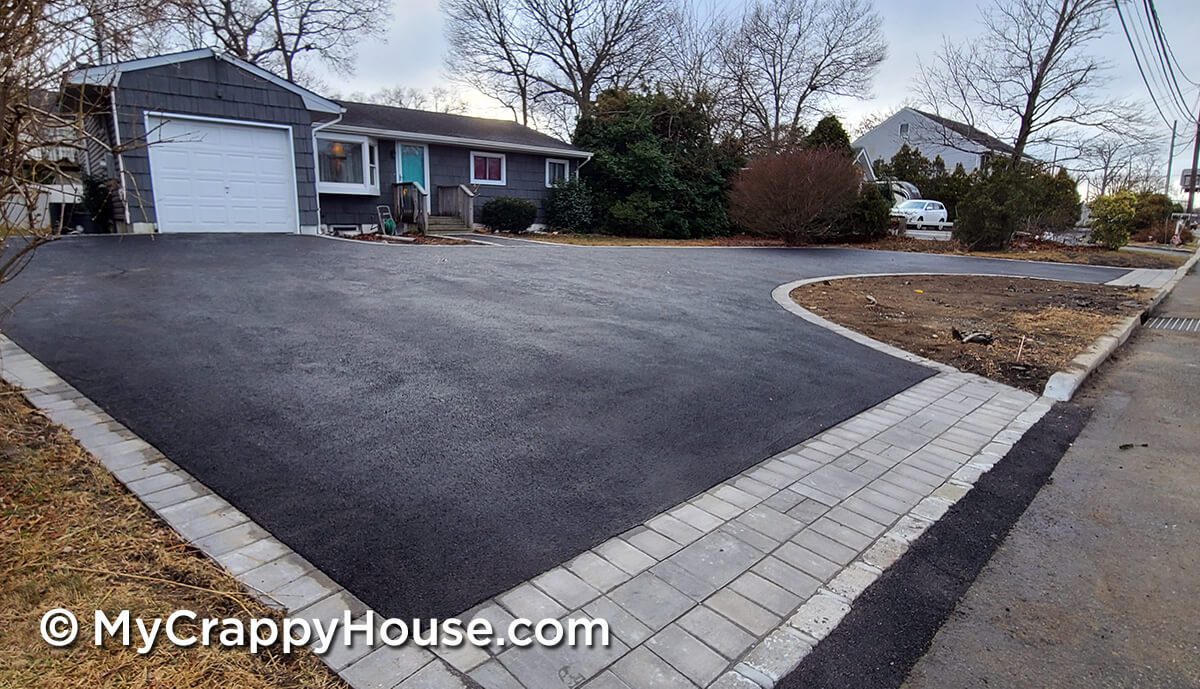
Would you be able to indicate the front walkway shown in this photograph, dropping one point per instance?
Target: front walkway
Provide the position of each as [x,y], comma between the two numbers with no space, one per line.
[1096,585]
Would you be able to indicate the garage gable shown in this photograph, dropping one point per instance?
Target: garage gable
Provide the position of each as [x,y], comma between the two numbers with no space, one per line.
[191,127]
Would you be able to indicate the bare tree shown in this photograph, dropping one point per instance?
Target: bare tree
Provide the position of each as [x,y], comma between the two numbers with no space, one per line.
[1028,79]
[788,57]
[1111,162]
[557,54]
[488,51]
[437,99]
[279,34]
[697,34]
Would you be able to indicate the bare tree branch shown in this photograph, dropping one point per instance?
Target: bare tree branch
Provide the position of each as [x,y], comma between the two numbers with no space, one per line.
[787,57]
[554,56]
[1028,79]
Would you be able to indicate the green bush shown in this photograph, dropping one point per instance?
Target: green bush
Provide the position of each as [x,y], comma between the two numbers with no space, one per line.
[868,217]
[1113,219]
[993,210]
[569,207]
[96,202]
[507,214]
[657,170]
[829,133]
[1054,202]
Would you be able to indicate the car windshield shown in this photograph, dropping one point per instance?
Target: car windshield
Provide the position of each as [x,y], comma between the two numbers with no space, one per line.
[912,204]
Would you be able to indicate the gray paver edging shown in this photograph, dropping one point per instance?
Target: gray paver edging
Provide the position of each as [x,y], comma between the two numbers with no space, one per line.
[268,569]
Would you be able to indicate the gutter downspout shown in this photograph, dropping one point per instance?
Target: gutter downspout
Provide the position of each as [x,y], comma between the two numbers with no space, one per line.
[120,157]
[317,163]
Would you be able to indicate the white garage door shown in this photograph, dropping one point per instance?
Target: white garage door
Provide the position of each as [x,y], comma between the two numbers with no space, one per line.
[219,177]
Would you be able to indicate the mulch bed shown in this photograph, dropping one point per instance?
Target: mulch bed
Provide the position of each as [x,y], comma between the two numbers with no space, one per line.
[1037,326]
[417,239]
[1034,250]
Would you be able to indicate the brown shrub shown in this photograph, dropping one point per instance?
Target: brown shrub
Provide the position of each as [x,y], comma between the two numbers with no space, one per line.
[799,195]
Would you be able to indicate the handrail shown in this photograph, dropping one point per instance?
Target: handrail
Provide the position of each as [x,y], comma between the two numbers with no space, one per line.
[420,216]
[458,200]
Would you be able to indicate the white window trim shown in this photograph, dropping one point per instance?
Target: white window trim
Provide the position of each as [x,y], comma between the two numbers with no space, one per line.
[363,189]
[904,130]
[489,182]
[561,161]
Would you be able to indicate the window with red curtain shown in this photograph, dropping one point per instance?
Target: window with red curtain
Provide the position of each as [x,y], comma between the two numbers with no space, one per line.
[488,168]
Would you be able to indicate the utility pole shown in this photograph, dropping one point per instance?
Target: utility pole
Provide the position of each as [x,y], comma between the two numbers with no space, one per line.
[1195,161]
[1170,158]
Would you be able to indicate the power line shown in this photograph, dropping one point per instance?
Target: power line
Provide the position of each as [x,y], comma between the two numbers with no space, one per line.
[1161,58]
[1170,50]
[1138,61]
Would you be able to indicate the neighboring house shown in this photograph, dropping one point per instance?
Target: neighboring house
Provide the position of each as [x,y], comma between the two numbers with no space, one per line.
[935,136]
[48,201]
[207,142]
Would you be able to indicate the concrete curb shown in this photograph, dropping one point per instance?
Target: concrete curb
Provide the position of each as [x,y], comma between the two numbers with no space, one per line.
[1063,385]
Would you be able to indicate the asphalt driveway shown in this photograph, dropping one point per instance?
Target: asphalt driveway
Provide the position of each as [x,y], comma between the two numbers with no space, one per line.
[432,425]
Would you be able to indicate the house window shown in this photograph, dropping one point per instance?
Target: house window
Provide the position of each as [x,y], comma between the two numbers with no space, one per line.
[372,165]
[487,168]
[557,171]
[904,131]
[347,165]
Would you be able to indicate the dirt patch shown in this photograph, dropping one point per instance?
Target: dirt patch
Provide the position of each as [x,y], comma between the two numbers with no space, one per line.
[1033,250]
[609,240]
[72,537]
[1037,326]
[416,239]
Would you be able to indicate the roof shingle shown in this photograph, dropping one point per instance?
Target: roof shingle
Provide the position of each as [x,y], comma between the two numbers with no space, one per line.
[441,124]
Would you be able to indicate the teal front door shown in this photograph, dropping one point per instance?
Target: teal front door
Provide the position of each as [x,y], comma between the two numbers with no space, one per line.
[412,163]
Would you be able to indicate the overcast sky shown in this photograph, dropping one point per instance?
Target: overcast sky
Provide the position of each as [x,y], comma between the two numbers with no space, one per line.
[414,47]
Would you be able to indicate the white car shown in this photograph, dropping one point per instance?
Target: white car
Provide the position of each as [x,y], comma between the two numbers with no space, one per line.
[921,212]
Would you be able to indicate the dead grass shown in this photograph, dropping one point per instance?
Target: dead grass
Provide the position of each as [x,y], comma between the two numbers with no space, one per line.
[1034,251]
[1025,251]
[609,240]
[1038,325]
[72,537]
[416,239]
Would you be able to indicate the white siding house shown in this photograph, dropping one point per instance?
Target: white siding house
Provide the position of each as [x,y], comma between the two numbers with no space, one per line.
[935,136]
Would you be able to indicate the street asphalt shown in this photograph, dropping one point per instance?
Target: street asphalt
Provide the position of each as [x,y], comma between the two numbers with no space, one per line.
[431,425]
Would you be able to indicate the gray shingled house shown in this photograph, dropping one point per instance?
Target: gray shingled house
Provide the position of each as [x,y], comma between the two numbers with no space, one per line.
[206,142]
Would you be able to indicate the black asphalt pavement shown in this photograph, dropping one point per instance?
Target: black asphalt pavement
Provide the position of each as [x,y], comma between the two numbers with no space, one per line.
[431,425]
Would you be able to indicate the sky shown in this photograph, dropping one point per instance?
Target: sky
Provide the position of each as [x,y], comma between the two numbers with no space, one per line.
[411,54]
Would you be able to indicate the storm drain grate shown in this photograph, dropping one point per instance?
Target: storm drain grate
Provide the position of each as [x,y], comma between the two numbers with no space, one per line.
[1185,325]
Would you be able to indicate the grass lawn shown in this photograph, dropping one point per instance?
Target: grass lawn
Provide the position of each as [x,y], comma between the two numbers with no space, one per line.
[71,536]
[1038,325]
